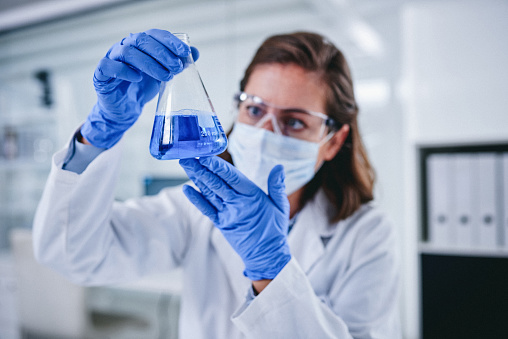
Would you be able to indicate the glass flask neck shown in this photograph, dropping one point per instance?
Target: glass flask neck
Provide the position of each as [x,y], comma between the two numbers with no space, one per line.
[185,124]
[183,36]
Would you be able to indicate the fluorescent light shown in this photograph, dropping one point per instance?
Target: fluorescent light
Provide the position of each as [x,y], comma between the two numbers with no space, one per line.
[374,92]
[366,38]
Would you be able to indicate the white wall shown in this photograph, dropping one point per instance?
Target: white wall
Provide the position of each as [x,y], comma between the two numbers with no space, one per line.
[456,55]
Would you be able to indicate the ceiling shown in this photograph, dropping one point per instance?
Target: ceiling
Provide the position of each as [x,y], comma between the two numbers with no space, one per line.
[367,38]
[15,14]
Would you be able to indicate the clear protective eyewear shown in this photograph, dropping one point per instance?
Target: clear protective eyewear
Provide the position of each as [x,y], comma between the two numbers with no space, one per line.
[293,122]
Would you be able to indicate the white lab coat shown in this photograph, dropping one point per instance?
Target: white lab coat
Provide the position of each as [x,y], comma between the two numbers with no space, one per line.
[345,289]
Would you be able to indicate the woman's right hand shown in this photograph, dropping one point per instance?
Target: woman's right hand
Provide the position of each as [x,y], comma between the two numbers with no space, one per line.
[127,78]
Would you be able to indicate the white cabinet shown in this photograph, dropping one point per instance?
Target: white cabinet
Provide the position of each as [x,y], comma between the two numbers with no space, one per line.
[27,141]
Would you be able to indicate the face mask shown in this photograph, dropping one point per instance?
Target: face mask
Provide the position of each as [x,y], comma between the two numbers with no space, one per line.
[255,151]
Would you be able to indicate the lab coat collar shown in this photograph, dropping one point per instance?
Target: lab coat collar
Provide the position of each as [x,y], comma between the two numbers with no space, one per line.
[305,239]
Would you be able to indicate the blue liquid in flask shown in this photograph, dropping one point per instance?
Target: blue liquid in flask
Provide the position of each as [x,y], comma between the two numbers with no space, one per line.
[187,134]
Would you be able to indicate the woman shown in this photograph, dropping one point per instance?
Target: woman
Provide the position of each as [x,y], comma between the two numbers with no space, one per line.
[287,244]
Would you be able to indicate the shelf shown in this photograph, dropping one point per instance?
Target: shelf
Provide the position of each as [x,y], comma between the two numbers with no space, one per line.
[462,251]
[29,122]
[24,164]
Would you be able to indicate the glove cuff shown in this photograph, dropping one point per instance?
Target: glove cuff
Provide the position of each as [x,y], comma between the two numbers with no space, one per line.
[275,266]
[97,132]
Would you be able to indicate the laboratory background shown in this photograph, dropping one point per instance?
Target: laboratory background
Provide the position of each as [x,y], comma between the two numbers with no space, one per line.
[431,80]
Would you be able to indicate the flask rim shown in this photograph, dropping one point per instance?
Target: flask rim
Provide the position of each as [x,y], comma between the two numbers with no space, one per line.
[183,37]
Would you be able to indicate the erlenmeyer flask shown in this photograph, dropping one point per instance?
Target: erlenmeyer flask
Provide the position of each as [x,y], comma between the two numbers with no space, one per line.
[186,125]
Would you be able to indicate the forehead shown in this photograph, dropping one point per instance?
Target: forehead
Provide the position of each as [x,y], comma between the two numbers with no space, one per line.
[288,86]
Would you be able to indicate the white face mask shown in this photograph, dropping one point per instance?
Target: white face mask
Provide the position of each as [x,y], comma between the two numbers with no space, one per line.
[255,151]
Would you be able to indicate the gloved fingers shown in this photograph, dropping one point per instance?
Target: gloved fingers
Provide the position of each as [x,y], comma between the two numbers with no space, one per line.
[165,51]
[107,69]
[143,62]
[230,174]
[195,169]
[174,44]
[277,188]
[195,53]
[201,203]
[212,198]
[170,41]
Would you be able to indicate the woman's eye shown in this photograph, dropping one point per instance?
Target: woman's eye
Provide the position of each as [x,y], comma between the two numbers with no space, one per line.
[295,124]
[255,111]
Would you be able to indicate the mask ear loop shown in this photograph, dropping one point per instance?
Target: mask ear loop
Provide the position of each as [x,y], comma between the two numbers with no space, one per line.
[333,129]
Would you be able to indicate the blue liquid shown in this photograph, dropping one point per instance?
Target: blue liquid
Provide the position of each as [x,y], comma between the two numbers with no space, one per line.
[187,134]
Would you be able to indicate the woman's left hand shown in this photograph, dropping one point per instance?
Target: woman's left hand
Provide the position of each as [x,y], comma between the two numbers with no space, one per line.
[254,223]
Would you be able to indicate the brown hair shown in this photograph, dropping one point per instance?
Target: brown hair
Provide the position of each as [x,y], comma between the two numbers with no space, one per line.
[348,178]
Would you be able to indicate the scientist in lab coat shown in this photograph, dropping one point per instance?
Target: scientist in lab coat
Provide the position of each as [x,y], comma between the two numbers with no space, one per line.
[284,244]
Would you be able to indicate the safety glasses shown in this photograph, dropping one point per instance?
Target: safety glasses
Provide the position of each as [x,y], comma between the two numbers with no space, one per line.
[289,121]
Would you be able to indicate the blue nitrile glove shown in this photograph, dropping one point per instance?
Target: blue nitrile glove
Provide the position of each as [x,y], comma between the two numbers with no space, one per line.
[127,78]
[254,223]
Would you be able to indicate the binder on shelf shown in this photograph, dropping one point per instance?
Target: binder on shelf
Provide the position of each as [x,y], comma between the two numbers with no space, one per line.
[462,208]
[439,199]
[486,220]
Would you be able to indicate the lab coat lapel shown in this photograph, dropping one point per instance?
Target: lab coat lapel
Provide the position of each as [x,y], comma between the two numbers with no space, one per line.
[305,241]
[232,263]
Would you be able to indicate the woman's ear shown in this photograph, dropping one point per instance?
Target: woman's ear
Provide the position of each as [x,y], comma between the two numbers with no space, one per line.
[333,146]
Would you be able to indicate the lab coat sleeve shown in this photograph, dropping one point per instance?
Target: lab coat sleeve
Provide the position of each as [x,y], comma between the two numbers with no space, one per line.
[83,233]
[80,156]
[362,302]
